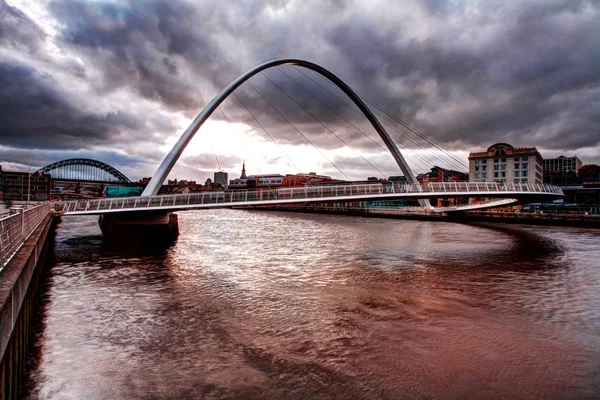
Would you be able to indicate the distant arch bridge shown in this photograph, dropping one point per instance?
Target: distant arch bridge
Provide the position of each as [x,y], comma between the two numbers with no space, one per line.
[84,170]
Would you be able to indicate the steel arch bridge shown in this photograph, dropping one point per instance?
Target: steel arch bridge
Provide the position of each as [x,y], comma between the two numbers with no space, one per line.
[171,158]
[84,170]
[149,203]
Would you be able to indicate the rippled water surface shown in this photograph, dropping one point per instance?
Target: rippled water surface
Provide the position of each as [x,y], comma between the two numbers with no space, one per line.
[276,305]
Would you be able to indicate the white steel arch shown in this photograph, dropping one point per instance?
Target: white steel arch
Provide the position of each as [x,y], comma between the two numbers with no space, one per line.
[165,167]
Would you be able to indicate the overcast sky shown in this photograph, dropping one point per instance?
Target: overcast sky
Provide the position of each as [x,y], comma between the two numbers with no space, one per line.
[120,81]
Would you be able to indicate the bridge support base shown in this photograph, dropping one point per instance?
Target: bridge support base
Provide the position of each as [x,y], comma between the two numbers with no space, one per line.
[131,229]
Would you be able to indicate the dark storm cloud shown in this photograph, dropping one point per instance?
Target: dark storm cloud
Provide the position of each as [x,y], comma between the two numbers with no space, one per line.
[23,158]
[37,113]
[149,46]
[547,50]
[139,46]
[17,31]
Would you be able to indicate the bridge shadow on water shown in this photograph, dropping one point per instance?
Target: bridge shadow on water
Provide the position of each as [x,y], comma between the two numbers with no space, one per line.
[81,240]
[480,245]
[529,247]
[93,246]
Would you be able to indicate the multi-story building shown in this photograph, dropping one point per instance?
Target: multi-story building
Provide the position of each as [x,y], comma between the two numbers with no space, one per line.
[439,174]
[562,164]
[504,163]
[220,177]
[17,185]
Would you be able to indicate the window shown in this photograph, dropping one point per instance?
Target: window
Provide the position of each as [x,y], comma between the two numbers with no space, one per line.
[496,160]
[484,167]
[496,167]
[503,174]
[495,174]
[524,180]
[502,166]
[517,165]
[517,173]
[516,159]
[484,175]
[477,176]
[477,162]
[525,165]
[524,173]
[41,187]
[504,160]
[477,168]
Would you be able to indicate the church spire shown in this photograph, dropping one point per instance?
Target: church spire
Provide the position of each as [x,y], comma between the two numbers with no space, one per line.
[243,176]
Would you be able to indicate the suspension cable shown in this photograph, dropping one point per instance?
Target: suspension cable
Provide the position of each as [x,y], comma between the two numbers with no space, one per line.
[425,162]
[323,125]
[333,110]
[264,129]
[301,134]
[213,149]
[245,151]
[422,161]
[438,148]
[411,129]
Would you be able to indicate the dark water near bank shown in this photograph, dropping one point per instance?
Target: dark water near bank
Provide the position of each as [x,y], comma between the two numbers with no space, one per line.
[276,305]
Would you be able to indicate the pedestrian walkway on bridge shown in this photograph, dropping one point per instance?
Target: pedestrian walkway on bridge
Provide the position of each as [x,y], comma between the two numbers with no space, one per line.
[328,90]
[378,191]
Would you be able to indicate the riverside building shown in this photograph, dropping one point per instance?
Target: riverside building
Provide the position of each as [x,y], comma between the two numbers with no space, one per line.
[220,177]
[562,164]
[504,163]
[18,185]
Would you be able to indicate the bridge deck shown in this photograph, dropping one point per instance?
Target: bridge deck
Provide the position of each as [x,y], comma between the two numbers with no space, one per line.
[363,192]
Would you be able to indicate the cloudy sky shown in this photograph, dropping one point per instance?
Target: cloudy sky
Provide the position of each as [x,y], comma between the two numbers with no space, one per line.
[120,81]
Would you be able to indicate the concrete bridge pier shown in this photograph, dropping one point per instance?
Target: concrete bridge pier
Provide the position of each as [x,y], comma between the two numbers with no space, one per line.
[139,228]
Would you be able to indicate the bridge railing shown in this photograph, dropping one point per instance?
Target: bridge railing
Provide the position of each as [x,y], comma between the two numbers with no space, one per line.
[310,193]
[16,228]
[490,187]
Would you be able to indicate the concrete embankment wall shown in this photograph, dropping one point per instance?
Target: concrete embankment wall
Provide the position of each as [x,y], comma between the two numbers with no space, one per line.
[589,221]
[580,220]
[19,281]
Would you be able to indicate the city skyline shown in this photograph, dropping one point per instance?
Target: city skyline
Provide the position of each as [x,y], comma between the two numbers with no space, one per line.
[119,82]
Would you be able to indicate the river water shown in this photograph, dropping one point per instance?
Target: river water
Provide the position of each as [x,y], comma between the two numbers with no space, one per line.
[250,304]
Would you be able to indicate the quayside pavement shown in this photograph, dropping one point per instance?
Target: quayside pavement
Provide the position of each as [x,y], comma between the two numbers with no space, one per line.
[25,240]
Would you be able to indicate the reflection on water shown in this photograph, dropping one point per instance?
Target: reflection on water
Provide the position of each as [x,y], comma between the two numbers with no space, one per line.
[276,305]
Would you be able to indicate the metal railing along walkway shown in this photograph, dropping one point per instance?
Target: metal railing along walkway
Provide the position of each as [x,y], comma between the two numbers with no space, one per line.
[489,203]
[304,194]
[17,226]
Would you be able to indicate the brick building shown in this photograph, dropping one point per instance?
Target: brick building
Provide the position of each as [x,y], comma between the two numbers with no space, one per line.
[14,186]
